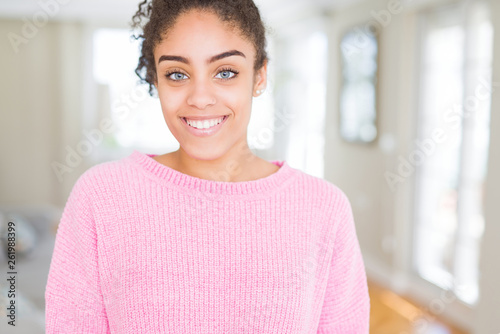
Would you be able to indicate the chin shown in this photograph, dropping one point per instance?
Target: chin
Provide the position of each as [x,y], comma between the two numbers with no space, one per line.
[204,153]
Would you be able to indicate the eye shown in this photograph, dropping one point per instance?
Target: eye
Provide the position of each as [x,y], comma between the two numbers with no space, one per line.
[226,73]
[177,76]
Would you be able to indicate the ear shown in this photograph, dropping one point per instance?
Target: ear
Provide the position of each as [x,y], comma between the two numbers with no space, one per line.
[260,80]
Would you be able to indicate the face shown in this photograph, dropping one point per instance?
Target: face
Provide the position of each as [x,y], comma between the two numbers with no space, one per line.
[205,76]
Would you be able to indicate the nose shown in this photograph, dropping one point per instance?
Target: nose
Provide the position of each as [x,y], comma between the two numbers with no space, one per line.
[201,94]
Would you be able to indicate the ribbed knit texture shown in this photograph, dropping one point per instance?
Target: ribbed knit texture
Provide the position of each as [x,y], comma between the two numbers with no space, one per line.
[143,248]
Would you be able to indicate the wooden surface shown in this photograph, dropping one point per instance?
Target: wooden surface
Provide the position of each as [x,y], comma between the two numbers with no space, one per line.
[392,314]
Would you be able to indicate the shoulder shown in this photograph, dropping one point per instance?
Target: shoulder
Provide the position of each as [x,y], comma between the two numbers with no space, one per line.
[326,193]
[103,176]
[329,202]
[321,186]
[103,171]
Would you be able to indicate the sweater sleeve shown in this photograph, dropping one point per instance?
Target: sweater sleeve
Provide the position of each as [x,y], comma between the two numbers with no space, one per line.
[346,307]
[73,298]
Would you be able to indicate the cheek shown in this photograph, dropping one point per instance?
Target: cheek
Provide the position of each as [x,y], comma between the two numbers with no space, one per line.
[170,108]
[238,101]
[170,103]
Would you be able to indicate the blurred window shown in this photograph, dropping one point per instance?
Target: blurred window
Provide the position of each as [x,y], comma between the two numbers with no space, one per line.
[305,100]
[137,116]
[455,96]
[359,80]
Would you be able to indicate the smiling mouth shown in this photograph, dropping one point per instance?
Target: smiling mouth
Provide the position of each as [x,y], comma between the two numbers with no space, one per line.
[204,124]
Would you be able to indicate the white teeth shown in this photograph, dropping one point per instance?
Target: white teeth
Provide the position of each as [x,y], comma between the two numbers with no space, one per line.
[205,124]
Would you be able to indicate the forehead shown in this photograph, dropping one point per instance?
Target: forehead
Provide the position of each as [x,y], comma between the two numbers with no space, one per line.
[198,33]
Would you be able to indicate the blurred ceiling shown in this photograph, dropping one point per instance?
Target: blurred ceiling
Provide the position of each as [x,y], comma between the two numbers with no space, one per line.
[120,11]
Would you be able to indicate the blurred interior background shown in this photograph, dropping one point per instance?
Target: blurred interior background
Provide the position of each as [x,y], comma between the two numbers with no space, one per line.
[393,101]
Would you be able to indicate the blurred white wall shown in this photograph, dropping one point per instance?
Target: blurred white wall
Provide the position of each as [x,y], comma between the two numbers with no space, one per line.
[358,169]
[41,110]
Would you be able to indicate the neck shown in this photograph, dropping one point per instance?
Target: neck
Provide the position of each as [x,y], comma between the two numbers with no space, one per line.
[239,164]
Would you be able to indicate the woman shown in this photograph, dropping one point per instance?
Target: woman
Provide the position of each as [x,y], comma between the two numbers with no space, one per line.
[209,238]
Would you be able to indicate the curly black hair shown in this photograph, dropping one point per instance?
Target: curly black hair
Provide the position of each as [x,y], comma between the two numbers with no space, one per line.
[156,17]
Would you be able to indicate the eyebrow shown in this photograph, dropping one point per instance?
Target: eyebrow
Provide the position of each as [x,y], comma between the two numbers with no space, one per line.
[209,61]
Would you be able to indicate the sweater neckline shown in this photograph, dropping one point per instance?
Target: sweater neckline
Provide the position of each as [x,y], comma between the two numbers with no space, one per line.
[262,186]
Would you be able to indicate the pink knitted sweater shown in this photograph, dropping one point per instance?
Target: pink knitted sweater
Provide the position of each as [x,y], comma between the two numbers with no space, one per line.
[143,248]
